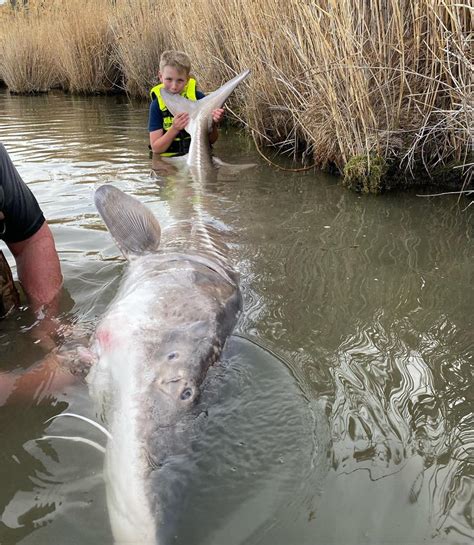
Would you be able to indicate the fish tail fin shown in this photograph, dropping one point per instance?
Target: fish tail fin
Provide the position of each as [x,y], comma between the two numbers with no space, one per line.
[202,108]
[132,225]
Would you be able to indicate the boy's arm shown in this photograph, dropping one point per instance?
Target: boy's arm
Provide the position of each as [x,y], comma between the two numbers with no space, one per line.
[160,140]
[214,134]
[217,116]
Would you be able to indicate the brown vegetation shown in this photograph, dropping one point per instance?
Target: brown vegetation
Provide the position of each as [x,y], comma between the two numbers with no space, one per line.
[384,82]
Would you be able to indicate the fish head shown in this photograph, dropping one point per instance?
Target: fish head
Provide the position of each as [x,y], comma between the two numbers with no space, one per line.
[151,386]
[177,365]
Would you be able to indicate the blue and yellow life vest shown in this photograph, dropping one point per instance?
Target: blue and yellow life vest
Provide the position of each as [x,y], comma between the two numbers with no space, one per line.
[180,145]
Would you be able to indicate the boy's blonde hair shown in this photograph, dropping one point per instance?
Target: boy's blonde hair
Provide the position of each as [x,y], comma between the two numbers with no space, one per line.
[175,59]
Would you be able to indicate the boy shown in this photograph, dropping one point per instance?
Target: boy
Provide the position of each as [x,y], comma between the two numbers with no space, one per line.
[167,134]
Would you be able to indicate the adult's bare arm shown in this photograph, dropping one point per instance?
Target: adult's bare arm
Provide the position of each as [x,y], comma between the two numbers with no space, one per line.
[39,272]
[38,267]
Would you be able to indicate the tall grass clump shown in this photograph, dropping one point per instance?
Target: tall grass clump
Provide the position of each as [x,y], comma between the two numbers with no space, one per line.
[27,53]
[345,79]
[139,42]
[349,83]
[85,46]
[52,43]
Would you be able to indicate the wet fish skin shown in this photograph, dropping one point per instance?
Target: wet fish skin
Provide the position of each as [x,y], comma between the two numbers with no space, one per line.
[200,113]
[166,326]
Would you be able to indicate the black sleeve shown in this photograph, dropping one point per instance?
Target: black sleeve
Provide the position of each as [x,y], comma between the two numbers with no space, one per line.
[23,216]
[155,117]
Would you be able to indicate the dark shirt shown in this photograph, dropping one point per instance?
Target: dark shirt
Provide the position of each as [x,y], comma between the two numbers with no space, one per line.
[155,117]
[23,216]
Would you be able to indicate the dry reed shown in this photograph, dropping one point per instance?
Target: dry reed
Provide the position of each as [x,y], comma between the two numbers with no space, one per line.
[27,56]
[355,84]
[85,45]
[139,41]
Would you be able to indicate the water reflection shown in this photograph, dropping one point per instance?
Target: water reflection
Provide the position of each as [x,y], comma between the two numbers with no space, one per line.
[381,328]
[388,409]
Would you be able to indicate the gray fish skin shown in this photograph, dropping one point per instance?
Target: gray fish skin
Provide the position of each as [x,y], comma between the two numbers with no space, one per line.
[200,113]
[166,326]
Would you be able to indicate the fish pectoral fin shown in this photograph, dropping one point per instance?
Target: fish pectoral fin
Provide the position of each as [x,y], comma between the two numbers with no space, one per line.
[229,168]
[132,225]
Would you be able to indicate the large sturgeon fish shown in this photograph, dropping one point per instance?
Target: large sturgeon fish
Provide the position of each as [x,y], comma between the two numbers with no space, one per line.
[200,156]
[153,347]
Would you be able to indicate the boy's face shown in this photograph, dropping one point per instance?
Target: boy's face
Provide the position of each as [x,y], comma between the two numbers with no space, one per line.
[174,80]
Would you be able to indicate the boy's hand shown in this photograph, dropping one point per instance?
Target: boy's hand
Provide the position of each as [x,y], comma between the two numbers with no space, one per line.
[180,121]
[218,115]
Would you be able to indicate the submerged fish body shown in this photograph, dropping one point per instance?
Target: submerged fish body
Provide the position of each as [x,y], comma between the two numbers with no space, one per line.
[200,113]
[166,326]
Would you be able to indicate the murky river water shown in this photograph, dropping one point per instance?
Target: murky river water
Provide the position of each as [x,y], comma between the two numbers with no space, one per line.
[344,414]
